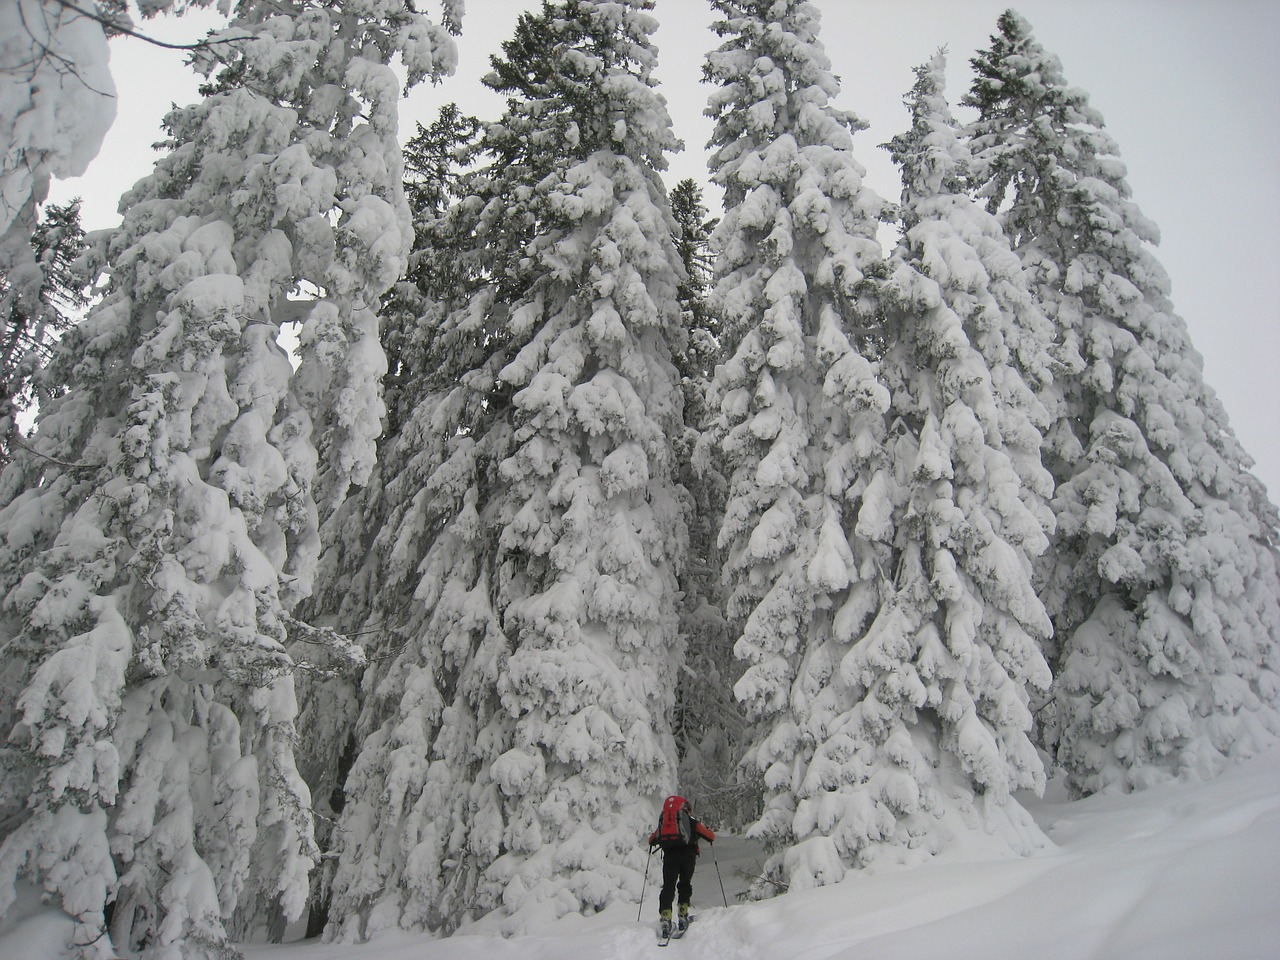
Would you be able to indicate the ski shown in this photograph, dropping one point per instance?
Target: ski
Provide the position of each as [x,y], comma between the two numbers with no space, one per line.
[664,936]
[681,930]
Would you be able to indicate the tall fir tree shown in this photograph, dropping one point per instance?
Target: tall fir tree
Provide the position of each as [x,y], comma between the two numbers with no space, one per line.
[709,724]
[801,421]
[693,242]
[1162,579]
[422,567]
[530,680]
[934,734]
[165,525]
[588,511]
[366,577]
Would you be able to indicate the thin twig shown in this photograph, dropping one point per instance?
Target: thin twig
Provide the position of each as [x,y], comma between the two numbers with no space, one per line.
[17,441]
[102,932]
[129,32]
[755,876]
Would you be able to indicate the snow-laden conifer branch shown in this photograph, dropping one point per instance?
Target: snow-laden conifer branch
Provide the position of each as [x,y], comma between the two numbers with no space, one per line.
[349,653]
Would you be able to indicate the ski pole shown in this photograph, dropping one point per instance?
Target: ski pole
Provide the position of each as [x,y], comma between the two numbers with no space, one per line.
[646,883]
[718,877]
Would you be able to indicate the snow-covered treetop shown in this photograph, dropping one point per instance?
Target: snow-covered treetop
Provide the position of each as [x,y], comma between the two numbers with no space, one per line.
[286,49]
[1041,154]
[783,153]
[932,157]
[774,79]
[581,96]
[564,106]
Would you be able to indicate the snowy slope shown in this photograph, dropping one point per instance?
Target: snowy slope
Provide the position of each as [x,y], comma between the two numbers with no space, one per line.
[1186,871]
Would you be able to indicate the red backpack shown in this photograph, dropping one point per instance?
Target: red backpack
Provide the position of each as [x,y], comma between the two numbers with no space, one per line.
[675,825]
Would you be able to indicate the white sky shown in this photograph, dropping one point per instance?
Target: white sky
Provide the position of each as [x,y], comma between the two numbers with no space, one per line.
[1190,90]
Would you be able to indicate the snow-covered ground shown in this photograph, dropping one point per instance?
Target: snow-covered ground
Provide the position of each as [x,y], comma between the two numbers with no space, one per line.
[1187,871]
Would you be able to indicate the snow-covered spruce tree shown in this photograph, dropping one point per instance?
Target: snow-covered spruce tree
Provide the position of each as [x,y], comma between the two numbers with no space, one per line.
[367,577]
[801,423]
[1161,580]
[927,716]
[709,725]
[36,317]
[158,537]
[590,527]
[520,731]
[421,573]
[703,351]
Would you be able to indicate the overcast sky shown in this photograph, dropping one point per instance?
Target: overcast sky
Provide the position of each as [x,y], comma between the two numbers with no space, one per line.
[1190,90]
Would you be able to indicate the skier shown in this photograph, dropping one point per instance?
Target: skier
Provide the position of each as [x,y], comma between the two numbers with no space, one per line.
[677,834]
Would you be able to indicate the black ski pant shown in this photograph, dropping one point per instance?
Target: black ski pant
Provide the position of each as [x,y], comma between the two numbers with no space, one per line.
[677,874]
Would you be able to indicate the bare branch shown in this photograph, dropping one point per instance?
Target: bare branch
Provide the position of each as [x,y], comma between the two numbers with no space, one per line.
[17,442]
[114,25]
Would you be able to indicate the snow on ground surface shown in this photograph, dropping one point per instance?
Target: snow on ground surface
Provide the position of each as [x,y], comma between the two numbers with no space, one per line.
[1185,871]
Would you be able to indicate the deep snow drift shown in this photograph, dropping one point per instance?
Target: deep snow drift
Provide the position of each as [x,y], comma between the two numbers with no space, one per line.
[1185,871]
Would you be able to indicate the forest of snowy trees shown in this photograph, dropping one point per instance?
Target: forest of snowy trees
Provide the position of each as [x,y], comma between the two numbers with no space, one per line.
[401,521]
